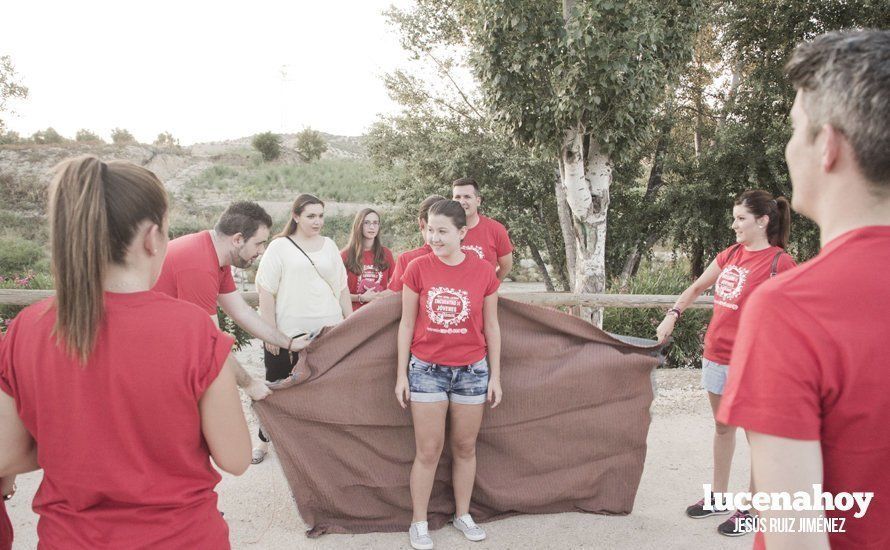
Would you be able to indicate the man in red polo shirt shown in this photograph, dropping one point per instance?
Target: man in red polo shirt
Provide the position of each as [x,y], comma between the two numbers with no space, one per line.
[395,283]
[809,378]
[197,269]
[486,237]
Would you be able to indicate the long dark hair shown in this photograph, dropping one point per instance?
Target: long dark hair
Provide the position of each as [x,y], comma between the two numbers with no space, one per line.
[355,248]
[762,203]
[94,211]
[303,200]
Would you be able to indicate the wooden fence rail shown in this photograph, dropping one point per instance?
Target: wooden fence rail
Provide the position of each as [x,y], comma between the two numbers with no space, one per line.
[547,299]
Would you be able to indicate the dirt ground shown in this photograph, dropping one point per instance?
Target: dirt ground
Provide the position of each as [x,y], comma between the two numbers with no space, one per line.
[261,512]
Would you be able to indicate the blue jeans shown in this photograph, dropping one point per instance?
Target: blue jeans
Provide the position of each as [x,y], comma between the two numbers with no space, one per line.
[431,383]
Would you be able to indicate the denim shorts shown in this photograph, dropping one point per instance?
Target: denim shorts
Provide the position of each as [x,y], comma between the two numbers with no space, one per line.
[431,383]
[713,376]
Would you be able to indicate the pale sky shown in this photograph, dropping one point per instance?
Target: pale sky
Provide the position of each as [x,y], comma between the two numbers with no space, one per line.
[202,70]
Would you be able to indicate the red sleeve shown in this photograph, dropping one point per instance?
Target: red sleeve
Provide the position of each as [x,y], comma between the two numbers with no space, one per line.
[226,283]
[411,278]
[218,346]
[775,381]
[6,360]
[786,262]
[493,281]
[395,282]
[502,243]
[391,262]
[199,287]
[722,256]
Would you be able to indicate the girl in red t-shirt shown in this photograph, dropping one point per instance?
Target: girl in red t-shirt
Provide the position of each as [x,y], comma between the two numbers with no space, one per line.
[449,362]
[122,395]
[7,490]
[762,225]
[369,264]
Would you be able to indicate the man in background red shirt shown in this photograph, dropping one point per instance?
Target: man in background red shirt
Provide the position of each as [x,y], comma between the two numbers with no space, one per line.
[486,238]
[809,376]
[198,270]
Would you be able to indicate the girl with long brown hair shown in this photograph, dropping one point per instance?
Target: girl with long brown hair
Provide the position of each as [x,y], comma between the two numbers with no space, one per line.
[369,264]
[762,225]
[123,394]
[301,283]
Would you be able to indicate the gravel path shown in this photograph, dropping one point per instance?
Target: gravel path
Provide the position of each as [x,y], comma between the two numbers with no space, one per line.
[261,512]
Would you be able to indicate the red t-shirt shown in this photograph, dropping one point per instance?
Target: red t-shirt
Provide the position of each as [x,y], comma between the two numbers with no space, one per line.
[448,329]
[395,282]
[5,528]
[192,272]
[742,272]
[810,363]
[124,460]
[488,240]
[371,277]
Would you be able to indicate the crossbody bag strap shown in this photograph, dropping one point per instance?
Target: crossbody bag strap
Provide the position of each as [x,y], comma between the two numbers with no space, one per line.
[315,267]
[774,268]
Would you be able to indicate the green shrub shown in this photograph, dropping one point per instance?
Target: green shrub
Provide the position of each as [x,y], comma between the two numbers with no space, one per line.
[18,255]
[85,136]
[120,136]
[227,325]
[671,278]
[268,144]
[310,145]
[10,138]
[48,136]
[166,139]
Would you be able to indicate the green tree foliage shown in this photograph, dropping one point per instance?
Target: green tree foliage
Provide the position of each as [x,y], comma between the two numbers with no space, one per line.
[10,88]
[47,137]
[86,136]
[120,136]
[310,145]
[166,140]
[268,144]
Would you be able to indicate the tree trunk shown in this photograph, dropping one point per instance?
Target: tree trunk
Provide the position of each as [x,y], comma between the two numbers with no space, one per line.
[542,267]
[698,260]
[567,227]
[586,181]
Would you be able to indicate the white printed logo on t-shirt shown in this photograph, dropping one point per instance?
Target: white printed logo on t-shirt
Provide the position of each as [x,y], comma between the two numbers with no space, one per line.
[371,279]
[731,282]
[473,248]
[447,308]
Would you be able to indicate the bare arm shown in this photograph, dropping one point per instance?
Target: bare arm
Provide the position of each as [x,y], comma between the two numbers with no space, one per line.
[18,450]
[787,465]
[245,316]
[410,302]
[703,283]
[505,264]
[223,423]
[345,303]
[492,329]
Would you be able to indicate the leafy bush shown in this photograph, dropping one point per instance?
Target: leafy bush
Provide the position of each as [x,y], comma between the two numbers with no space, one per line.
[17,255]
[268,144]
[120,136]
[671,278]
[48,136]
[85,136]
[166,139]
[310,145]
[10,138]
[227,325]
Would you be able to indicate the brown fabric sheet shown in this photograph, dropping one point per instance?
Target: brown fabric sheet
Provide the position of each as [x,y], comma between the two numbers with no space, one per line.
[570,434]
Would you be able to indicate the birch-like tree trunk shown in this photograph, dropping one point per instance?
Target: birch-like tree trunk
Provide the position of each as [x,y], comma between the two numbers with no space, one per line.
[586,181]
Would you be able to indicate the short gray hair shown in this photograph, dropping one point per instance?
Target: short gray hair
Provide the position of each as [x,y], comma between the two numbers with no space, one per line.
[845,80]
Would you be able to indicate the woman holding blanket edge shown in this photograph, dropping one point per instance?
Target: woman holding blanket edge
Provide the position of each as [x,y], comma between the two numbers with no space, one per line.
[449,349]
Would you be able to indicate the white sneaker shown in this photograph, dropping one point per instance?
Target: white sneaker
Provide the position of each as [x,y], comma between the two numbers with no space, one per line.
[420,536]
[468,527]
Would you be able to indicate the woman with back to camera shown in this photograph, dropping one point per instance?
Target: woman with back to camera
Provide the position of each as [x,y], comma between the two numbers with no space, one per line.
[301,283]
[369,264]
[449,363]
[127,393]
[762,225]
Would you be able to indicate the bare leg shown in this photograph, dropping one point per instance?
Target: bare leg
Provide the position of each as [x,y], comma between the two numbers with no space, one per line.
[724,447]
[429,438]
[465,422]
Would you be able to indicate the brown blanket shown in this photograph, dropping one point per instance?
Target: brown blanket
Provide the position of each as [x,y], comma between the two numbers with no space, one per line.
[570,434]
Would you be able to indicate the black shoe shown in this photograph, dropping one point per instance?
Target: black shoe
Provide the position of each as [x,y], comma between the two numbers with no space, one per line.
[740,523]
[697,510]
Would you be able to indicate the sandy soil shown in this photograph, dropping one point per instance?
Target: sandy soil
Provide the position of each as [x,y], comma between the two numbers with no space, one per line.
[262,514]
